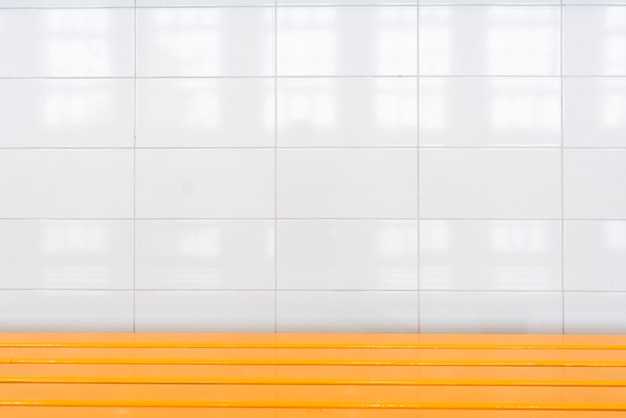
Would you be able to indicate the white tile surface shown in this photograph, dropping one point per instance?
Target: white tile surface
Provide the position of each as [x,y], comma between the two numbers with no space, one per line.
[343,183]
[489,40]
[489,183]
[594,40]
[66,43]
[205,183]
[66,183]
[218,112]
[66,3]
[340,255]
[594,2]
[489,2]
[490,112]
[347,112]
[595,313]
[594,110]
[491,312]
[66,113]
[65,311]
[594,184]
[347,41]
[490,255]
[205,42]
[595,255]
[46,254]
[348,312]
[204,255]
[205,311]
[343,2]
[199,3]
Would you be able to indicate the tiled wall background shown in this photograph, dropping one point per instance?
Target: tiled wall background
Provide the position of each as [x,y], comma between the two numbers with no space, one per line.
[309,166]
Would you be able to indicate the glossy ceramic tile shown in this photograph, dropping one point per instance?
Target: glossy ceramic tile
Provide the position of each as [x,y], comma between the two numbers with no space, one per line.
[66,311]
[594,2]
[346,112]
[594,40]
[344,2]
[205,311]
[489,2]
[595,313]
[341,183]
[347,312]
[66,43]
[347,41]
[490,112]
[489,40]
[205,42]
[594,184]
[217,112]
[595,255]
[196,3]
[65,3]
[489,183]
[48,254]
[66,183]
[491,312]
[204,255]
[347,255]
[490,255]
[205,183]
[594,110]
[66,113]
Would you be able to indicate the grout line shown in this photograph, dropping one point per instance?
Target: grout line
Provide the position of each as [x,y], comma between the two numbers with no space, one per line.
[515,291]
[327,219]
[562,181]
[134,165]
[327,76]
[329,148]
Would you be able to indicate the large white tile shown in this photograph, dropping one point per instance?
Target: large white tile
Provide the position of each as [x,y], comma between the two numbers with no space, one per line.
[594,2]
[66,43]
[494,111]
[66,3]
[490,255]
[66,183]
[353,312]
[489,2]
[594,184]
[593,113]
[344,2]
[489,40]
[205,183]
[344,183]
[200,3]
[595,313]
[205,311]
[594,40]
[491,312]
[595,255]
[347,255]
[66,254]
[66,311]
[347,112]
[490,183]
[204,255]
[66,113]
[218,112]
[347,41]
[205,41]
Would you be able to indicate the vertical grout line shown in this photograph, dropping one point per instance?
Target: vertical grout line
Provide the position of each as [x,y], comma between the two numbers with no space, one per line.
[134,161]
[419,290]
[275,168]
[562,45]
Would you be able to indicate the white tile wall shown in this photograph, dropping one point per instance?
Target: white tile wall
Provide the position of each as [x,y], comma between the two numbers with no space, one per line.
[313,166]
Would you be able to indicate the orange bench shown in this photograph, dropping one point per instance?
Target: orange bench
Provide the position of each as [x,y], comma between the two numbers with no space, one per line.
[385,375]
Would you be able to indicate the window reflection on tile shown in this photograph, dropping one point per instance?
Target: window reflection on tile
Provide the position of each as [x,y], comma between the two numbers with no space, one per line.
[347,41]
[347,112]
[67,43]
[490,255]
[494,111]
[205,254]
[489,40]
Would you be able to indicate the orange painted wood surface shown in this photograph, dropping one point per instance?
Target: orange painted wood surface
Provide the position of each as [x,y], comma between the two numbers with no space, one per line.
[193,375]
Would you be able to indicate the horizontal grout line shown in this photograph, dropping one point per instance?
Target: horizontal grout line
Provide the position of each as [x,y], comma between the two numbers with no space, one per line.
[526,406]
[218,290]
[329,148]
[328,362]
[279,77]
[318,219]
[313,382]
